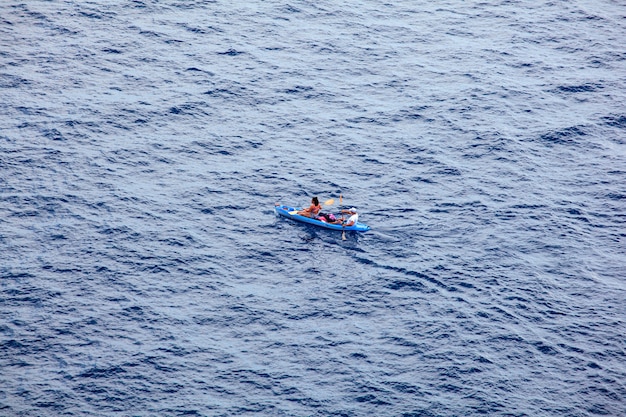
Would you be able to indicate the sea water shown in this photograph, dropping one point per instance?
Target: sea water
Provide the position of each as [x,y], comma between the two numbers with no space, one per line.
[143,145]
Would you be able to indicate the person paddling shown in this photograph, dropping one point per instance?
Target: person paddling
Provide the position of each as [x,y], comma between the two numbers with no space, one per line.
[351,221]
[312,210]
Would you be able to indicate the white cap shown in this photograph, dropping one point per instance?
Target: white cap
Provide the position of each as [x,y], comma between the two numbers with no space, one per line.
[352,210]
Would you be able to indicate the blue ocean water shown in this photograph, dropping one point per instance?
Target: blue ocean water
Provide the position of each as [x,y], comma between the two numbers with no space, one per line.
[143,145]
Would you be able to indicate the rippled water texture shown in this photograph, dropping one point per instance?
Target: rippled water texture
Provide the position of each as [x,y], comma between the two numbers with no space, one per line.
[143,145]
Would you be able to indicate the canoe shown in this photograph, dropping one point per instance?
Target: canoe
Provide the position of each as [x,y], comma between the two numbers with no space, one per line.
[290,213]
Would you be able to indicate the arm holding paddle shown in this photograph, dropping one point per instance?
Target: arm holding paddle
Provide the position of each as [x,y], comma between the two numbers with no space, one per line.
[315,208]
[354,217]
[312,210]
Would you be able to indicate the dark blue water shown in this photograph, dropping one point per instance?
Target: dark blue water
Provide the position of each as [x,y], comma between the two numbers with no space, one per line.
[143,145]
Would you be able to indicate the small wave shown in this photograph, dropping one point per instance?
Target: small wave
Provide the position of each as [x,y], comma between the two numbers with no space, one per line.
[584,88]
[615,121]
[231,52]
[567,136]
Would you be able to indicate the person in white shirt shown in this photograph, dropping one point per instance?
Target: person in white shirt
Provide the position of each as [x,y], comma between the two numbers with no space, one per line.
[351,221]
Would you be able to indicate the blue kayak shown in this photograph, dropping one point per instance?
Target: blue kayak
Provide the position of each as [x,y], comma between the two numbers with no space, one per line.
[291,213]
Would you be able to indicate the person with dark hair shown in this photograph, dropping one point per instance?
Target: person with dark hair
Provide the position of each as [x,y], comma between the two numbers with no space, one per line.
[312,210]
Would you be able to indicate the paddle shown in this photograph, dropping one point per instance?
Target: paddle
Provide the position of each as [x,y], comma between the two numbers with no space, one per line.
[343,228]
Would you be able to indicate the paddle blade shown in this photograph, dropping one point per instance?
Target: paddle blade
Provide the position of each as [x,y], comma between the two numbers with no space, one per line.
[343,235]
[329,202]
